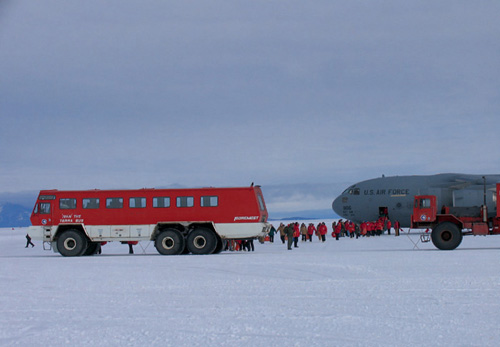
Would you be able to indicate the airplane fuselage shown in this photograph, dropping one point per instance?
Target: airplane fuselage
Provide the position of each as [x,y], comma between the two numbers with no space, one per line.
[394,196]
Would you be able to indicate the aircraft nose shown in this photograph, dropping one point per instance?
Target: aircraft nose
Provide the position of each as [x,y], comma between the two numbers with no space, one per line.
[337,205]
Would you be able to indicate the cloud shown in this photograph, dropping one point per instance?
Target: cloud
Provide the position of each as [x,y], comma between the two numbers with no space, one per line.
[119,93]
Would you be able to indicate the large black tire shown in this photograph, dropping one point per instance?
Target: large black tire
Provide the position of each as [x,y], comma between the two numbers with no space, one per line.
[170,242]
[72,243]
[91,248]
[201,241]
[220,245]
[446,236]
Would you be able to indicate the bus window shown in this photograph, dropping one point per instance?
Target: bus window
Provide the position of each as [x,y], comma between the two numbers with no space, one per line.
[137,202]
[261,203]
[114,202]
[209,201]
[44,208]
[185,201]
[67,204]
[161,201]
[91,203]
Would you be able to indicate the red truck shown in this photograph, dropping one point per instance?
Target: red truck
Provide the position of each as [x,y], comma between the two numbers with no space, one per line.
[449,224]
[197,220]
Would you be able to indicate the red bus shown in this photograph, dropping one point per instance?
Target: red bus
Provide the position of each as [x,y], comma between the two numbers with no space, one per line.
[197,220]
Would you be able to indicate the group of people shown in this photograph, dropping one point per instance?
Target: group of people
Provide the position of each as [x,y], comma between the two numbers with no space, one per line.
[293,231]
[367,228]
[240,245]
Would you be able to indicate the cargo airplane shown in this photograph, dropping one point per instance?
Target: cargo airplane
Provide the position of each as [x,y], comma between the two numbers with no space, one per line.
[393,196]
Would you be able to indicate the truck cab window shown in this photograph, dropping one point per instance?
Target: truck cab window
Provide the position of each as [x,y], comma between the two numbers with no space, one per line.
[425,203]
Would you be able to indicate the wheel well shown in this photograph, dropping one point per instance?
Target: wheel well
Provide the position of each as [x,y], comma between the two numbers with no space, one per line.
[63,228]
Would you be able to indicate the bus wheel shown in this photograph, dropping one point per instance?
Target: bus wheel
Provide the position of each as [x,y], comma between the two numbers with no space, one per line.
[201,241]
[91,248]
[446,236]
[170,242]
[220,245]
[72,243]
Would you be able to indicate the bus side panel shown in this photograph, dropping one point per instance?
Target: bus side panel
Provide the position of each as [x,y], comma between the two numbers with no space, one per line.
[241,230]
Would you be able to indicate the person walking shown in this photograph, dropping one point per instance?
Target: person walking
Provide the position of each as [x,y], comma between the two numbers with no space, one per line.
[296,234]
[281,229]
[28,241]
[311,229]
[271,234]
[338,230]
[289,234]
[303,232]
[323,230]
[249,245]
[357,230]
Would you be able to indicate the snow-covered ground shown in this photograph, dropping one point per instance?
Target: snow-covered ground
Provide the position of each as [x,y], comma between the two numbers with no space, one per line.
[375,291]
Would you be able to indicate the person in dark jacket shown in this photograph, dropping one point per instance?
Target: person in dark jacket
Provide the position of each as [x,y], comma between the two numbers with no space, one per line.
[28,241]
[249,245]
[271,234]
[289,234]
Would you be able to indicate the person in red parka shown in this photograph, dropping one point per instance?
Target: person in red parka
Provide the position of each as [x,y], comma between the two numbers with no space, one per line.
[323,230]
[379,227]
[389,225]
[396,228]
[296,234]
[351,228]
[311,230]
[338,230]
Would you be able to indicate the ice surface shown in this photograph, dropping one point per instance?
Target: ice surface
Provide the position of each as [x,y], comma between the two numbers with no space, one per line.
[375,291]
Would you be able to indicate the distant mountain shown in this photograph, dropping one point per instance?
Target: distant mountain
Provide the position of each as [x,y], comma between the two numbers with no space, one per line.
[303,215]
[13,215]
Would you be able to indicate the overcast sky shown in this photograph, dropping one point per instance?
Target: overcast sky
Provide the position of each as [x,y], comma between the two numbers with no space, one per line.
[132,94]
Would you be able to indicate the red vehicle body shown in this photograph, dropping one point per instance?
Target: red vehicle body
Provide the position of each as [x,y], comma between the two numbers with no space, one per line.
[449,224]
[197,220]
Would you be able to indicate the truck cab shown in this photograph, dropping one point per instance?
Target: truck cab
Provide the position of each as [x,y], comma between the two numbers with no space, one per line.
[424,210]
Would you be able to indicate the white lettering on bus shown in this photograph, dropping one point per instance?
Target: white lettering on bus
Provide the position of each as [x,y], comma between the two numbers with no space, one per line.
[246,218]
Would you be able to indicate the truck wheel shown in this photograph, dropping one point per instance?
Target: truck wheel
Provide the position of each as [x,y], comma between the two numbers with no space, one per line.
[72,243]
[170,242]
[446,236]
[201,241]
